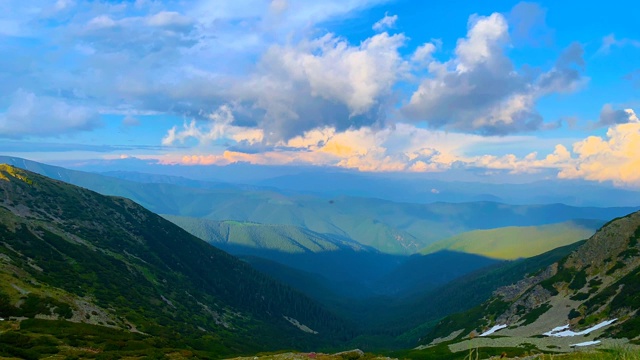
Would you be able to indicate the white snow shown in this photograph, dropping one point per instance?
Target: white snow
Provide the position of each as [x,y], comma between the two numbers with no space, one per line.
[493,329]
[586,343]
[556,329]
[563,331]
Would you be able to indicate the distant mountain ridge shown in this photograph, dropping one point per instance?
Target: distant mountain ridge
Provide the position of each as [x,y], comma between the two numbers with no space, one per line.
[397,187]
[390,227]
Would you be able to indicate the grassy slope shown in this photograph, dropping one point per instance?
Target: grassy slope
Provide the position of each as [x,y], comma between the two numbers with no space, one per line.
[514,242]
[599,280]
[61,244]
[283,238]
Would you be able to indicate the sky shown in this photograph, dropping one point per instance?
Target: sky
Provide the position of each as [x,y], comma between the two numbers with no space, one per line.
[503,88]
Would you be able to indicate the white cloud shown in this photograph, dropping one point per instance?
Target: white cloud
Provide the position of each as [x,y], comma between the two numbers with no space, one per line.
[615,157]
[387,22]
[169,19]
[424,53]
[324,82]
[218,126]
[479,90]
[29,115]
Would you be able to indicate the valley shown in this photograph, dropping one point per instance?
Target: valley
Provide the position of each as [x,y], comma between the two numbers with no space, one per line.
[332,292]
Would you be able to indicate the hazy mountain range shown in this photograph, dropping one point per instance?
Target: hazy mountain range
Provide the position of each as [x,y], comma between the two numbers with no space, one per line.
[313,272]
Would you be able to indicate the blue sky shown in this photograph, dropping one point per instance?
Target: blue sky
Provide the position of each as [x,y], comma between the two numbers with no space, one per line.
[503,87]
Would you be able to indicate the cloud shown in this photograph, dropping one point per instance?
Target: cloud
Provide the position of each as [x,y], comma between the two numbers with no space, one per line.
[402,147]
[387,22]
[190,58]
[528,25]
[129,121]
[29,115]
[614,157]
[218,126]
[423,54]
[323,82]
[610,116]
[480,91]
[610,41]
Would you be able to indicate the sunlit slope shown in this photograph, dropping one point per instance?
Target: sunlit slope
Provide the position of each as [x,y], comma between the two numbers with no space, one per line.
[514,242]
[274,237]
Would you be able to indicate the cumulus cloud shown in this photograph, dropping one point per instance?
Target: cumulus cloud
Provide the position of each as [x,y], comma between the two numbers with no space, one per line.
[219,126]
[387,22]
[189,58]
[29,115]
[423,55]
[479,90]
[402,147]
[324,82]
[614,157]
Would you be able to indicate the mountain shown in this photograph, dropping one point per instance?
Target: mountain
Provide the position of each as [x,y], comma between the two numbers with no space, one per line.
[348,268]
[72,259]
[281,238]
[402,322]
[590,296]
[514,242]
[390,227]
[397,187]
[403,187]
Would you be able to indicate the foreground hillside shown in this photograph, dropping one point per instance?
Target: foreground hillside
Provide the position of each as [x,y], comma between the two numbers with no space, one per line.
[589,298]
[93,272]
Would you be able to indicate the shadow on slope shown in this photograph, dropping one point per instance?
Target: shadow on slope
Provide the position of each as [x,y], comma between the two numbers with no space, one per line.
[346,276]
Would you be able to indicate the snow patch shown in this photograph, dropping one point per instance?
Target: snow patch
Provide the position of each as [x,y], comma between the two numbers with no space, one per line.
[493,329]
[586,343]
[563,331]
[300,326]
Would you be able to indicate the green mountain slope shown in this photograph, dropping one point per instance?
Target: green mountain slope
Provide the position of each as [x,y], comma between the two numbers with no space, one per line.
[390,227]
[598,284]
[514,242]
[69,253]
[401,323]
[282,238]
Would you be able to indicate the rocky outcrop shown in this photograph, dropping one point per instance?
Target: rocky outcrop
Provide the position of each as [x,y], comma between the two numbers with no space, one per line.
[511,292]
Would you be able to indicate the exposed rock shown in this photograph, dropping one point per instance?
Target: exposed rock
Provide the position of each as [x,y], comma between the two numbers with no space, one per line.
[512,292]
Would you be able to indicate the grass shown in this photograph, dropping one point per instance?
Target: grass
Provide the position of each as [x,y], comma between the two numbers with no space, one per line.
[514,242]
[617,353]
